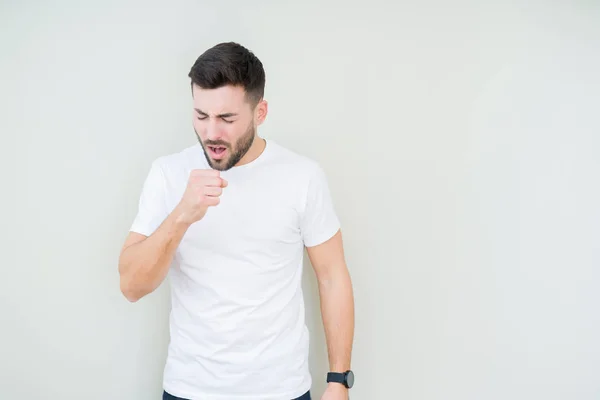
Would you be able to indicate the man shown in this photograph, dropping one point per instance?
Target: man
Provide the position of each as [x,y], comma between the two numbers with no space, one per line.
[228,219]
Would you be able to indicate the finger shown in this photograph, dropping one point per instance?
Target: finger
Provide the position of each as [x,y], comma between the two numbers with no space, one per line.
[205,172]
[213,190]
[216,181]
[212,181]
[212,200]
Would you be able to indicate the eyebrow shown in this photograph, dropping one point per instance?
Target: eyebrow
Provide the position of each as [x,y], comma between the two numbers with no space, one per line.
[225,115]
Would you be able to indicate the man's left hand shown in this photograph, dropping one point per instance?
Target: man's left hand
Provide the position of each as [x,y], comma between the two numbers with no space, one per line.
[335,391]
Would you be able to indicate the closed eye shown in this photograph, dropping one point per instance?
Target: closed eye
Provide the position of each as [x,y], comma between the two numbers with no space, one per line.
[224,117]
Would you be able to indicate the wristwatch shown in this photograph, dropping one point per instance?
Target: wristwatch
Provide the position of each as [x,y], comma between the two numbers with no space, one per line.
[345,378]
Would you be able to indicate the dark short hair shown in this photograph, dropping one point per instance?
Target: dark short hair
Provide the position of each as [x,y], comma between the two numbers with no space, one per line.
[230,64]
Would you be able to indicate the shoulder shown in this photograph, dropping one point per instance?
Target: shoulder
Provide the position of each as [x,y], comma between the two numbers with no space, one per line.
[292,162]
[297,173]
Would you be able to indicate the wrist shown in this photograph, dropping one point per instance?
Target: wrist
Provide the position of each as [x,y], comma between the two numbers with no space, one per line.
[181,218]
[344,379]
[337,387]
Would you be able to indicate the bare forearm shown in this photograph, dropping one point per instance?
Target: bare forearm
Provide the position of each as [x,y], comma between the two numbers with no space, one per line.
[337,309]
[144,265]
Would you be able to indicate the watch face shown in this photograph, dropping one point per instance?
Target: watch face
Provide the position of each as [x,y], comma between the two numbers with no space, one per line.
[350,379]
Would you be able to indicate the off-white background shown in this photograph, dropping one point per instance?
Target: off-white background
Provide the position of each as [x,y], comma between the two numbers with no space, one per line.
[462,144]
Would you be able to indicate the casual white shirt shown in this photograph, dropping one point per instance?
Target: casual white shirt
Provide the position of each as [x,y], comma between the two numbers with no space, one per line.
[237,322]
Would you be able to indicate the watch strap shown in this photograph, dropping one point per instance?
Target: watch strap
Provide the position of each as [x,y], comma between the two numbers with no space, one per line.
[338,377]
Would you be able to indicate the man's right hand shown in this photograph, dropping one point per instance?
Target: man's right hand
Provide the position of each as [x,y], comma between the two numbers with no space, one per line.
[203,190]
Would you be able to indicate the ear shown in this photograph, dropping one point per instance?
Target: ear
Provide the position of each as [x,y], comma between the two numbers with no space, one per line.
[260,112]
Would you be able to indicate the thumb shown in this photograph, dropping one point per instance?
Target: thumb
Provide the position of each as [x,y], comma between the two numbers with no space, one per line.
[224,183]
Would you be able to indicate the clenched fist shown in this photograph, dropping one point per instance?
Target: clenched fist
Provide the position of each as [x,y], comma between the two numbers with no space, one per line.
[203,190]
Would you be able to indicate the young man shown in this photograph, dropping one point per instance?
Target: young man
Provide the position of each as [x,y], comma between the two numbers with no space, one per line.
[228,219]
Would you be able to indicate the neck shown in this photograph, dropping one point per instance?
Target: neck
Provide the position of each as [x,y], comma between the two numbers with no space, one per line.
[258,146]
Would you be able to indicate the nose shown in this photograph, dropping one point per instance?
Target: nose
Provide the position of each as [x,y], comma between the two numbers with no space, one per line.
[212,130]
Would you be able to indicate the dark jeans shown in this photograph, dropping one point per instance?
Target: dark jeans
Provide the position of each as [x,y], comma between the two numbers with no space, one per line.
[167,396]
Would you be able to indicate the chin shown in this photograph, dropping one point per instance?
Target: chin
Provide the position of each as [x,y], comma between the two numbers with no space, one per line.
[219,165]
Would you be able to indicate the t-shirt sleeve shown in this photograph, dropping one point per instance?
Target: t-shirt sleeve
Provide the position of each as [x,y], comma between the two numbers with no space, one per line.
[152,209]
[319,221]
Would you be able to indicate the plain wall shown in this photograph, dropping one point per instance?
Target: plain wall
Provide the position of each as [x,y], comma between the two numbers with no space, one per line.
[461,141]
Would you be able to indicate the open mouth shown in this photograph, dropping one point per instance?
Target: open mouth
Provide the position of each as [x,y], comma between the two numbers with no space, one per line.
[217,151]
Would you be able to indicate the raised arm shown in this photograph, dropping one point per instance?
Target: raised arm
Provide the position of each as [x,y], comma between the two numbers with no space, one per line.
[145,260]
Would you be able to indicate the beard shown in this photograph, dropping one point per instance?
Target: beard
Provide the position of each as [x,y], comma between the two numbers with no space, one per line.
[236,152]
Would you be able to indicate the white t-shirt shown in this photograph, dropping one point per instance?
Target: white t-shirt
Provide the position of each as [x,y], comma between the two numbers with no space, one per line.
[237,320]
